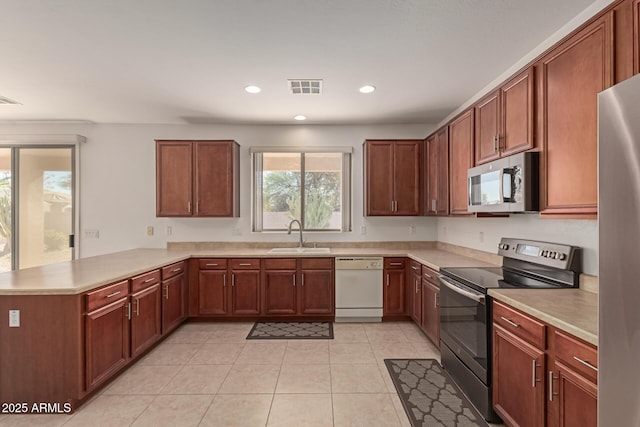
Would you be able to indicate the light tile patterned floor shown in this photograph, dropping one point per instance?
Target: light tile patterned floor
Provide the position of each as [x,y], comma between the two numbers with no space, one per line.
[207,374]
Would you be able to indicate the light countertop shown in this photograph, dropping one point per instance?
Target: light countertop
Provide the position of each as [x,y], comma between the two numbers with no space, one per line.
[572,310]
[81,275]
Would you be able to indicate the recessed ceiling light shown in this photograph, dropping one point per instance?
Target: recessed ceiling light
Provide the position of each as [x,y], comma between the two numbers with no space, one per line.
[300,117]
[367,89]
[253,89]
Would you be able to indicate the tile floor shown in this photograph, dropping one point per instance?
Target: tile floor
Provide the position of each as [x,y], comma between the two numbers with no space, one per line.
[207,374]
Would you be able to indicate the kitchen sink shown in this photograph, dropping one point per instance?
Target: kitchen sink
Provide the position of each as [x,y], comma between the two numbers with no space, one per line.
[300,251]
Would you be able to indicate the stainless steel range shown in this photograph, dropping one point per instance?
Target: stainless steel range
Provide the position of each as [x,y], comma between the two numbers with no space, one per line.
[465,308]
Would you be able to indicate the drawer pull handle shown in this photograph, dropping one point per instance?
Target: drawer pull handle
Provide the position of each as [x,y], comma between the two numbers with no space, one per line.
[551,393]
[395,263]
[415,268]
[244,264]
[175,270]
[212,265]
[149,280]
[113,294]
[511,322]
[585,363]
[428,276]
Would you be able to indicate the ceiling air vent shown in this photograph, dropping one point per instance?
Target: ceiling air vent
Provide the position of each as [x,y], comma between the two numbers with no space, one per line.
[305,87]
[4,100]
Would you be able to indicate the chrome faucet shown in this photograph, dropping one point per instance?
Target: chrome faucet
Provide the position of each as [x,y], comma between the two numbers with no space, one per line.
[300,228]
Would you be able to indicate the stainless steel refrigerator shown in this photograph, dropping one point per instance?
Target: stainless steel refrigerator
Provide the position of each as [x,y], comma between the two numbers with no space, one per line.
[619,252]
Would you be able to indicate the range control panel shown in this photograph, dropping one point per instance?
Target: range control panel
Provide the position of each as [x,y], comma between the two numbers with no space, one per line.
[551,254]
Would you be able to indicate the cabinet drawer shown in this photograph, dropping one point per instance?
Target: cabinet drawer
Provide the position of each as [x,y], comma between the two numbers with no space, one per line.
[280,264]
[430,275]
[316,263]
[172,270]
[519,324]
[106,295]
[245,264]
[212,264]
[581,357]
[416,267]
[145,280]
[394,263]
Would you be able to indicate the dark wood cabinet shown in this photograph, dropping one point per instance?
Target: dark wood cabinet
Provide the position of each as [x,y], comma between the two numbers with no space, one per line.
[518,380]
[504,119]
[430,305]
[280,292]
[573,377]
[394,287]
[173,297]
[415,290]
[213,286]
[392,178]
[316,296]
[437,175]
[245,287]
[460,160]
[106,340]
[570,77]
[197,178]
[298,287]
[146,322]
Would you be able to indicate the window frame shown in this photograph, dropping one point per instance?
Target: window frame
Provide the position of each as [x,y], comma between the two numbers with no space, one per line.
[257,186]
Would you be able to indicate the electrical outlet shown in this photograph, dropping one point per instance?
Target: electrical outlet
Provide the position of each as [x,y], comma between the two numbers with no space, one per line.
[92,234]
[169,230]
[481,237]
[412,229]
[149,230]
[363,230]
[14,318]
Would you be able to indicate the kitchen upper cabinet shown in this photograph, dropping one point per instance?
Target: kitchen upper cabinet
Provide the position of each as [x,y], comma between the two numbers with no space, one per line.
[460,160]
[213,293]
[173,296]
[570,77]
[437,176]
[394,287]
[245,286]
[197,178]
[316,295]
[392,177]
[504,119]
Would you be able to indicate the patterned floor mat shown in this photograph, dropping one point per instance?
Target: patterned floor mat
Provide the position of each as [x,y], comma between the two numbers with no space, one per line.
[291,330]
[429,396]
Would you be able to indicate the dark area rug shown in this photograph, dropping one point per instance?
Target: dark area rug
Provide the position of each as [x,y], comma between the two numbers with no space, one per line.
[430,398]
[291,330]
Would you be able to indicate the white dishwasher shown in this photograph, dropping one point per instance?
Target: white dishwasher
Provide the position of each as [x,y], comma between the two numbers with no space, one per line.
[358,289]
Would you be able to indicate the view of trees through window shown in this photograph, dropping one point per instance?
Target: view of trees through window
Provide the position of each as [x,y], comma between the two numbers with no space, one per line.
[304,186]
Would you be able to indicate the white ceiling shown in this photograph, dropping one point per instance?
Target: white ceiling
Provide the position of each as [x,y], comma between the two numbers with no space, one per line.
[187,61]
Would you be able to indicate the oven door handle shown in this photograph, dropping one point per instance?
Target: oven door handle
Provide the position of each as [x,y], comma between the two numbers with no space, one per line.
[472,295]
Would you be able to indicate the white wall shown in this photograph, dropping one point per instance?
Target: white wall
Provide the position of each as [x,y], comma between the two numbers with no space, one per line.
[485,233]
[117,192]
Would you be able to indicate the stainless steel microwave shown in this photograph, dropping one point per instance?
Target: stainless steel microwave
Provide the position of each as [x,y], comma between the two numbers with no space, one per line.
[510,184]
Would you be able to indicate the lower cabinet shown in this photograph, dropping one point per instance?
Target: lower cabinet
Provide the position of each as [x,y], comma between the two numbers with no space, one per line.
[431,311]
[394,287]
[541,376]
[173,301]
[146,319]
[213,294]
[107,326]
[245,287]
[298,287]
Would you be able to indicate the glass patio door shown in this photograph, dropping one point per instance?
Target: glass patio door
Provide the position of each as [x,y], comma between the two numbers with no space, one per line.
[44,197]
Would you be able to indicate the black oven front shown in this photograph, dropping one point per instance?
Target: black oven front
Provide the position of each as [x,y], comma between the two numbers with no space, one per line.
[465,334]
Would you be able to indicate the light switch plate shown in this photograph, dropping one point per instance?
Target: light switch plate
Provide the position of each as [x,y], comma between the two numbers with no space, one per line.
[14,318]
